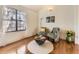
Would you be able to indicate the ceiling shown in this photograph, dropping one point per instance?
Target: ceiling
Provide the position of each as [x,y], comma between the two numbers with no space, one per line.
[37,7]
[34,7]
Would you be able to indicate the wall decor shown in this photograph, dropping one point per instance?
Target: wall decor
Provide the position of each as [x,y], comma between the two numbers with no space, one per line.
[50,19]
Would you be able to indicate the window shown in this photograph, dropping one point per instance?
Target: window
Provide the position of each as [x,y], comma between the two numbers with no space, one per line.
[15,20]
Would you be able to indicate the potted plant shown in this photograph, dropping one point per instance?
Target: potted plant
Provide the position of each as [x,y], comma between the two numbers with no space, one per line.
[69,36]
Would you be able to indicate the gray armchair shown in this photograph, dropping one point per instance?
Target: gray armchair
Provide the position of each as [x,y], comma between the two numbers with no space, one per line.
[54,35]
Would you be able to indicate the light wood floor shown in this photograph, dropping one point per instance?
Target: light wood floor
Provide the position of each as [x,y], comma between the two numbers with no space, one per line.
[62,47]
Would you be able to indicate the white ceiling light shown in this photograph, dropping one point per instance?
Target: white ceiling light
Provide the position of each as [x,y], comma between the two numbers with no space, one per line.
[50,9]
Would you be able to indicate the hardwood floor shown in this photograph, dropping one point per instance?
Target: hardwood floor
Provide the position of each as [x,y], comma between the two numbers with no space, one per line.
[62,47]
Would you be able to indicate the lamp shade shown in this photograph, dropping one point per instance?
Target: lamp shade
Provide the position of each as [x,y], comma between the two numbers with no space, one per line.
[42,29]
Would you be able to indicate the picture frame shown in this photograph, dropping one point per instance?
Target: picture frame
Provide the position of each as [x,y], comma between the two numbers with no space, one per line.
[50,19]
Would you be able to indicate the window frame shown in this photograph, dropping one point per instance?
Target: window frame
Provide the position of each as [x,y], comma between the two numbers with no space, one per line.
[16,21]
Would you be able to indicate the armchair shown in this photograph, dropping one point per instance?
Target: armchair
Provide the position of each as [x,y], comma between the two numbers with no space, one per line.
[54,35]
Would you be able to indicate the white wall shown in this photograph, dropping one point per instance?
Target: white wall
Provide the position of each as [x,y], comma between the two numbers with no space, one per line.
[31,22]
[31,18]
[64,17]
[77,24]
[0,17]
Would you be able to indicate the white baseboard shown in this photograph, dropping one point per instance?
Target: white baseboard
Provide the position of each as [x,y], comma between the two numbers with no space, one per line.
[77,43]
[76,40]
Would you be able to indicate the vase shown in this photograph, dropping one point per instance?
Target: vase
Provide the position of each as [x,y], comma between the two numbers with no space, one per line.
[69,39]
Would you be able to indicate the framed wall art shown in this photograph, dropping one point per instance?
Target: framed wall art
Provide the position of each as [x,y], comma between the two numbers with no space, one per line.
[50,19]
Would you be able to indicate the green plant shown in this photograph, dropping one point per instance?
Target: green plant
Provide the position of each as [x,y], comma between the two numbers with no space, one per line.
[69,33]
[69,36]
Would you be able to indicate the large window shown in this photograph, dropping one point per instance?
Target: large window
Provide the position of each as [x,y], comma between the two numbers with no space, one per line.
[15,20]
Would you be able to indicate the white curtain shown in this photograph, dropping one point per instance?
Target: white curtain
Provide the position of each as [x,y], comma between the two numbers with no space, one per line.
[5,26]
